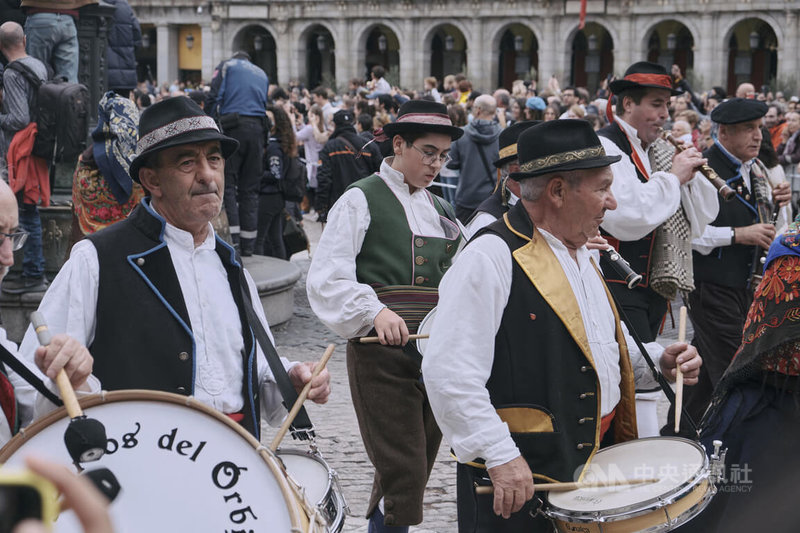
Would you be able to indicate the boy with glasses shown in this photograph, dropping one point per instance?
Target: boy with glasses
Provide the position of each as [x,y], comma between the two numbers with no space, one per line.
[376,271]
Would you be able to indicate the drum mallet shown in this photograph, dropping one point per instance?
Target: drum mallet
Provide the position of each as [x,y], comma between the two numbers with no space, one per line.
[678,372]
[85,438]
[575,485]
[301,398]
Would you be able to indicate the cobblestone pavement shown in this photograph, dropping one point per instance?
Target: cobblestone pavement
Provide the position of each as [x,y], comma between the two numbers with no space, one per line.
[304,338]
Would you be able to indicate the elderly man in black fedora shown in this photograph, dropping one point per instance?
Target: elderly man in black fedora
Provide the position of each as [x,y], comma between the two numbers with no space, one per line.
[376,271]
[525,326]
[506,193]
[159,299]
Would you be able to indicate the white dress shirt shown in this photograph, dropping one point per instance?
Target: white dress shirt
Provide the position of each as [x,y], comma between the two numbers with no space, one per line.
[642,207]
[459,354]
[342,303]
[717,236]
[69,306]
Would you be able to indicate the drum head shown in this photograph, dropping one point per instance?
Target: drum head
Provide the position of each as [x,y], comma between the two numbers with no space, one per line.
[309,471]
[675,462]
[425,329]
[178,463]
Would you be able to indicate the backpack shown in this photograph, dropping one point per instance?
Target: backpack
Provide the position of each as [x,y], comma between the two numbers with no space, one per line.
[293,184]
[61,112]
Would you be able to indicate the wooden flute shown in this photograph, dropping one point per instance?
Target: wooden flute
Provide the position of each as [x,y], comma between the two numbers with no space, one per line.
[722,188]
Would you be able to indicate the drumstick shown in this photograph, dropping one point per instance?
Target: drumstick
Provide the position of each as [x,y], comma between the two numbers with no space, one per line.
[575,485]
[374,340]
[85,438]
[301,398]
[678,373]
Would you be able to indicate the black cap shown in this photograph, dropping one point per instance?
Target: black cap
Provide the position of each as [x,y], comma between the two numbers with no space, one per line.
[343,117]
[559,146]
[736,110]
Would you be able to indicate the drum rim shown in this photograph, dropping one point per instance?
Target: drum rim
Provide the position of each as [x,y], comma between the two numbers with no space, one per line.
[643,507]
[429,317]
[331,495]
[311,455]
[294,507]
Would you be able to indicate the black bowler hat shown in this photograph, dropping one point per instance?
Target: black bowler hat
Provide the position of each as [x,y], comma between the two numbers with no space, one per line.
[644,74]
[173,122]
[423,116]
[736,110]
[559,146]
[508,141]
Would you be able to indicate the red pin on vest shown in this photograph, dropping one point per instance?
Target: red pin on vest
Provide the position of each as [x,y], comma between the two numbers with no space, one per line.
[85,438]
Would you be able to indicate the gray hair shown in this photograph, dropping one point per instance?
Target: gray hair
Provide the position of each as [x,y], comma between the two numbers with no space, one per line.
[11,36]
[531,189]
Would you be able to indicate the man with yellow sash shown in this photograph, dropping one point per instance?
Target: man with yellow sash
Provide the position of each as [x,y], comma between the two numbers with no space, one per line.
[527,368]
[376,271]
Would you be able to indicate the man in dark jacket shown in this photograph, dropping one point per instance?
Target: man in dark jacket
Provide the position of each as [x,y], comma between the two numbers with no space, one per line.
[343,161]
[124,37]
[472,154]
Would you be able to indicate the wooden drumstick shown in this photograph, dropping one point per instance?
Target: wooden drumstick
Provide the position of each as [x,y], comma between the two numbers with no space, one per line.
[374,340]
[575,485]
[678,372]
[301,398]
[85,438]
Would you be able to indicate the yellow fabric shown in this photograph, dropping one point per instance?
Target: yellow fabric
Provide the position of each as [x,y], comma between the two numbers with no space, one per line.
[526,420]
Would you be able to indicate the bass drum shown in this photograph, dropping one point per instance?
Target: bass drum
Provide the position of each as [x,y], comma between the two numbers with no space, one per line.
[683,490]
[181,466]
[425,327]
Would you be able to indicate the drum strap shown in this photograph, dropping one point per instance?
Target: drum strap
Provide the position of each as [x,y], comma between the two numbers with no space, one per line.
[665,386]
[25,373]
[301,427]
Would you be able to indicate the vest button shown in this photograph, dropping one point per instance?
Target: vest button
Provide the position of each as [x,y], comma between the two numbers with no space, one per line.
[419,242]
[140,261]
[581,421]
[582,396]
[580,446]
[448,247]
[419,280]
[181,390]
[419,260]
[183,356]
[585,368]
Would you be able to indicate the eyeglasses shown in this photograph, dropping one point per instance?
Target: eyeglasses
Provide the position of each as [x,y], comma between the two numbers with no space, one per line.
[18,239]
[429,157]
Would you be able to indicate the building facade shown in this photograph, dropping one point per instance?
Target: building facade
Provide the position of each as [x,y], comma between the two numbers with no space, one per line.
[719,42]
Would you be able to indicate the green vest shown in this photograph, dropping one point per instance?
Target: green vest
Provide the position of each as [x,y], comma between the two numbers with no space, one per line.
[402,267]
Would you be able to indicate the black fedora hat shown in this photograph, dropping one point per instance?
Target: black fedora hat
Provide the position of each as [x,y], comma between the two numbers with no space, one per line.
[508,141]
[423,116]
[173,122]
[559,146]
[644,74]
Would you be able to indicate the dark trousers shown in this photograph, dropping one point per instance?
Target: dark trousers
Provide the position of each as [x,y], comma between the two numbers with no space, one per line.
[397,426]
[644,308]
[269,240]
[33,255]
[717,315]
[476,513]
[243,172]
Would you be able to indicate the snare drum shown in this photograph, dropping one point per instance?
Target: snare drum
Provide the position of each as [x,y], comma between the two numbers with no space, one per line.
[424,328]
[182,466]
[683,491]
[320,484]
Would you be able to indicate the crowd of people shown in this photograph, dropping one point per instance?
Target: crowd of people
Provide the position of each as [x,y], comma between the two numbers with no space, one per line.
[490,210]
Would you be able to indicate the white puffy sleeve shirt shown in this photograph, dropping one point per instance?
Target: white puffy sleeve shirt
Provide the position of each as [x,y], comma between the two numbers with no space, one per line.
[642,207]
[459,355]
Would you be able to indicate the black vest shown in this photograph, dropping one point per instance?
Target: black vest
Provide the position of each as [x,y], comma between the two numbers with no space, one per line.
[143,337]
[492,205]
[538,366]
[730,266]
[637,253]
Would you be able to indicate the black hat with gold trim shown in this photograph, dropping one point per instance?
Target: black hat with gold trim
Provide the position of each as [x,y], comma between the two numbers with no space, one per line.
[559,146]
[508,141]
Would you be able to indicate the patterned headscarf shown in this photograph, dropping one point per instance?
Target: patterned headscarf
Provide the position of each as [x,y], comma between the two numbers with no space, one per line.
[115,140]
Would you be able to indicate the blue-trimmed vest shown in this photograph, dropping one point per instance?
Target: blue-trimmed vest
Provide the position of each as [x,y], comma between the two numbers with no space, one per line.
[543,382]
[638,253]
[143,337]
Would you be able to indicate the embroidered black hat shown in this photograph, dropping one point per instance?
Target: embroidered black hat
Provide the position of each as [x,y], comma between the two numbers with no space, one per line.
[559,146]
[644,74]
[736,110]
[508,141]
[423,116]
[173,122]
